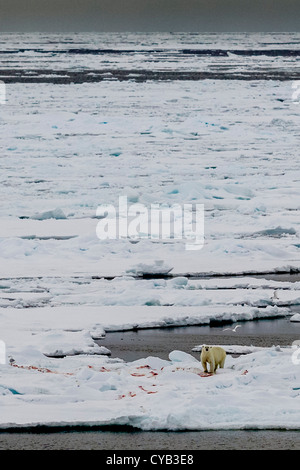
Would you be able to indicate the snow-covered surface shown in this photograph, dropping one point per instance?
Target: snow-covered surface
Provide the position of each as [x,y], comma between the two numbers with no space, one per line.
[66,149]
[21,327]
[228,151]
[259,390]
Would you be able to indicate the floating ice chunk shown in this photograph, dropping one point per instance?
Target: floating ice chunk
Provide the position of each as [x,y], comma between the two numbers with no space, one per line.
[276,232]
[179,282]
[52,214]
[97,332]
[181,356]
[153,301]
[295,318]
[235,349]
[159,267]
[57,343]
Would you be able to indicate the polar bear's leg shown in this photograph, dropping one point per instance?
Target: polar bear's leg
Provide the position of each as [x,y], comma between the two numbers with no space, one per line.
[222,362]
[204,365]
[212,366]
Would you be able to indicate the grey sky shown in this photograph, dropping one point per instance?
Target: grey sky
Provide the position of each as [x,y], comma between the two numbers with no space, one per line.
[149,15]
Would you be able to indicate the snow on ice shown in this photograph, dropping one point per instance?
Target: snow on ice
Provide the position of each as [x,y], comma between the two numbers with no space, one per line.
[66,149]
[253,391]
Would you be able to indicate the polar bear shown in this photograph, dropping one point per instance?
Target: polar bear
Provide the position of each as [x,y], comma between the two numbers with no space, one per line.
[213,355]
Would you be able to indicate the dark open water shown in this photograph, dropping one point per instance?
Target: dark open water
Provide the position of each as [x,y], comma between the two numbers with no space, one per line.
[132,345]
[111,440]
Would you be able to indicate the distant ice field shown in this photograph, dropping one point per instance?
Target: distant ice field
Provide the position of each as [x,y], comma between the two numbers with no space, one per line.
[168,119]
[67,148]
[182,52]
[230,145]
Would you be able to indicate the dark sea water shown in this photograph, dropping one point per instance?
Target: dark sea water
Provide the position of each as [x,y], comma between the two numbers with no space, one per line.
[132,345]
[135,441]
